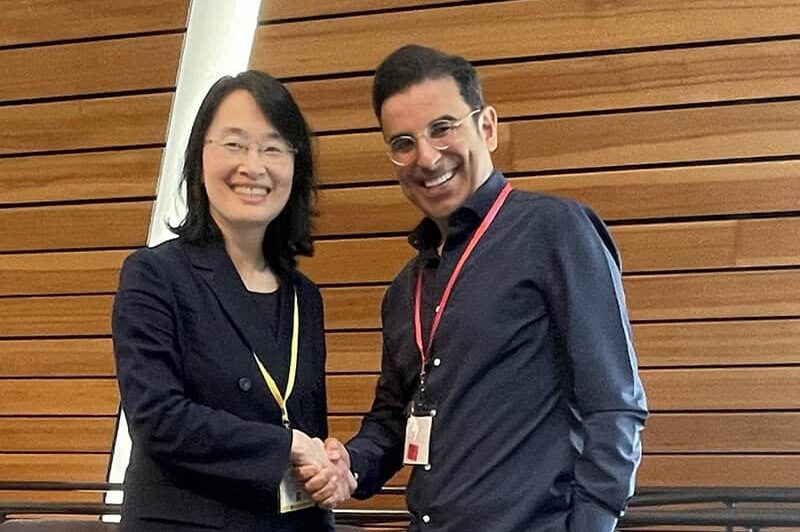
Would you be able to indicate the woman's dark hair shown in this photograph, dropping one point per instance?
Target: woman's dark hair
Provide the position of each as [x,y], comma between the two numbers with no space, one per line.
[412,64]
[289,234]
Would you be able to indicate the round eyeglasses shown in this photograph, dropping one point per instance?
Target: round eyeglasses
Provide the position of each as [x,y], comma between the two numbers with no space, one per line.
[440,134]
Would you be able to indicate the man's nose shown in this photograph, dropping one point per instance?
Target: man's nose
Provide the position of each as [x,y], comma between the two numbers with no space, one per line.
[427,155]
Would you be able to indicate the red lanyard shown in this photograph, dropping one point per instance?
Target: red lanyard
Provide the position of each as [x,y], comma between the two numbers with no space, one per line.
[487,221]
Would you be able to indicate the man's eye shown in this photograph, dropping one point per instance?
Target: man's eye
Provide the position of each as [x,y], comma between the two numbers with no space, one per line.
[440,129]
[402,144]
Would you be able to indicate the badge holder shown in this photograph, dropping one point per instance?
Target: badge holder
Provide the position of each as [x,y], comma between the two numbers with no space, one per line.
[292,494]
[418,428]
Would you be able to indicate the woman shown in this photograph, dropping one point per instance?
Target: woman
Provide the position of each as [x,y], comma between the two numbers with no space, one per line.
[213,330]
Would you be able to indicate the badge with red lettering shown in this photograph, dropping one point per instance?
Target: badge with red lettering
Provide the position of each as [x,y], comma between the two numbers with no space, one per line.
[418,438]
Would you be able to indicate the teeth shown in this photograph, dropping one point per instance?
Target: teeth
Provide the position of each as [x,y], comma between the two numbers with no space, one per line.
[438,180]
[250,191]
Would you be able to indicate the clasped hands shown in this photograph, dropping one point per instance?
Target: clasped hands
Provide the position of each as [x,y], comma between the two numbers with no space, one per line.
[324,468]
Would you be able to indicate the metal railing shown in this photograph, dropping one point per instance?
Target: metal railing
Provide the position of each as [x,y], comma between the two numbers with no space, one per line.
[754,509]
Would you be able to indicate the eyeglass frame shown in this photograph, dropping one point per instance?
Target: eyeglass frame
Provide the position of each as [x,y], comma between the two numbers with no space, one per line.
[454,125]
[242,149]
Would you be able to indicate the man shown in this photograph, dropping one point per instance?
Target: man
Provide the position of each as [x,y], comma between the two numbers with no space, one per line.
[508,374]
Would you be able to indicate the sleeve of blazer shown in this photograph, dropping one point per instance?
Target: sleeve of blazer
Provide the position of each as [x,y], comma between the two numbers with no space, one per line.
[181,435]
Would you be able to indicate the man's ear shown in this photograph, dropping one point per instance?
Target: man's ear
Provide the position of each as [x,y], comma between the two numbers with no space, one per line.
[489,127]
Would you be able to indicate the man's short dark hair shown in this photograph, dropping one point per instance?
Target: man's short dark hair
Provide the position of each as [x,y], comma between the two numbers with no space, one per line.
[413,64]
[289,234]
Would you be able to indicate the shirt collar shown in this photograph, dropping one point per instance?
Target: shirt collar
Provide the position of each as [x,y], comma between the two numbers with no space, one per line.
[425,238]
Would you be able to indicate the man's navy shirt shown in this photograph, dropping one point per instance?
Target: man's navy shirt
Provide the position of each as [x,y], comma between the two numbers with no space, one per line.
[532,374]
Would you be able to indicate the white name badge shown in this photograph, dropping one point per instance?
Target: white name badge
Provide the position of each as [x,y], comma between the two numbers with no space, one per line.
[418,439]
[292,494]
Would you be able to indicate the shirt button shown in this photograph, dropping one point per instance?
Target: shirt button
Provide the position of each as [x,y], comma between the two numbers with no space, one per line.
[426,518]
[436,309]
[433,412]
[245,384]
[437,361]
[427,467]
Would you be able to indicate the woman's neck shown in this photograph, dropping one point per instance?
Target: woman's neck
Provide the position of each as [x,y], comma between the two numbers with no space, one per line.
[247,256]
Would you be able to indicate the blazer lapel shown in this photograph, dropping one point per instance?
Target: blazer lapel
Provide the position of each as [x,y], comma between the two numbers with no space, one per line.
[215,267]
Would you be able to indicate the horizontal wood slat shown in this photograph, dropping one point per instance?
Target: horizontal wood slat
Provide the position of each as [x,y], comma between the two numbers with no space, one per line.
[714,295]
[723,471]
[57,358]
[709,245]
[55,316]
[650,297]
[623,195]
[97,397]
[708,343]
[353,158]
[655,137]
[765,432]
[656,471]
[316,47]
[570,85]
[762,432]
[54,435]
[351,308]
[75,226]
[81,176]
[353,352]
[27,21]
[60,273]
[363,260]
[724,244]
[364,210]
[718,343]
[288,9]
[388,501]
[50,496]
[688,390]
[79,124]
[610,140]
[722,389]
[138,63]
[53,467]
[350,394]
[683,191]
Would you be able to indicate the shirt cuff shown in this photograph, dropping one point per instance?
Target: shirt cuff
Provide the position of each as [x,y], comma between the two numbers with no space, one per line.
[357,467]
[587,516]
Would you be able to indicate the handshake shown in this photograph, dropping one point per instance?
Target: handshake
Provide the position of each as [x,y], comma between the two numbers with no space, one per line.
[324,468]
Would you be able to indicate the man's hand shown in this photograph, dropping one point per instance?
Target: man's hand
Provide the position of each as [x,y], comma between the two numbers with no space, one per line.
[337,452]
[340,458]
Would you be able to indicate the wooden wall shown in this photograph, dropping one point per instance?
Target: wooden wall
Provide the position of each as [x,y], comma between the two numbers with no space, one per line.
[678,121]
[86,92]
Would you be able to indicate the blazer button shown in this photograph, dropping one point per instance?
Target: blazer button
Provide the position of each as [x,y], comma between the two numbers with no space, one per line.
[245,384]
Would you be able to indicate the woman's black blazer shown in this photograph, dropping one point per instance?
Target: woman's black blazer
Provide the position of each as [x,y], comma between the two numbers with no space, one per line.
[209,448]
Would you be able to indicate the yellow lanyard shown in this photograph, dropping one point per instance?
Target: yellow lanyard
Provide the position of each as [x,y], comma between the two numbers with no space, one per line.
[273,388]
